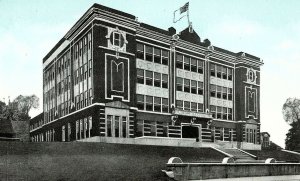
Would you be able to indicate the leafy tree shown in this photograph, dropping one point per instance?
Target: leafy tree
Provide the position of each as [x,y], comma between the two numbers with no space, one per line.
[18,109]
[291,114]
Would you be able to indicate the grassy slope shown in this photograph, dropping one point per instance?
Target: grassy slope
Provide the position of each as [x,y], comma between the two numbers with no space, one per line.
[92,161]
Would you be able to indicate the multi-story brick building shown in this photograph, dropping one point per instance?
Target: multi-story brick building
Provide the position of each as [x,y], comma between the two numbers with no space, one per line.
[112,76]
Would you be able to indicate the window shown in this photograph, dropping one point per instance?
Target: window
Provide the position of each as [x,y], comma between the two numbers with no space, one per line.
[157,56]
[213,111]
[200,107]
[179,84]
[194,106]
[149,103]
[187,105]
[224,96]
[219,71]
[186,85]
[157,104]
[200,88]
[179,104]
[229,93]
[165,57]
[140,76]
[77,130]
[164,82]
[149,53]
[117,126]
[219,91]
[179,61]
[229,74]
[140,51]
[193,87]
[200,67]
[212,90]
[219,112]
[109,125]
[212,70]
[124,127]
[225,114]
[229,114]
[165,107]
[157,77]
[140,102]
[224,72]
[149,78]
[193,65]
[187,63]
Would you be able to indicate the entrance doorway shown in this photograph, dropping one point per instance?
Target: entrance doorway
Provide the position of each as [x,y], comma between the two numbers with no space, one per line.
[190,131]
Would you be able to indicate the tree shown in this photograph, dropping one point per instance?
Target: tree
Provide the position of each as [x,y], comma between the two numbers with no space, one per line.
[291,114]
[18,109]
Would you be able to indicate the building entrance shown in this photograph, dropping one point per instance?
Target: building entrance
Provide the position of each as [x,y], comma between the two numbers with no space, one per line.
[117,122]
[190,131]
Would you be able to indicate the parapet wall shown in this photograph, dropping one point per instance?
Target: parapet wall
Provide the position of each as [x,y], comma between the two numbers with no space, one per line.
[199,171]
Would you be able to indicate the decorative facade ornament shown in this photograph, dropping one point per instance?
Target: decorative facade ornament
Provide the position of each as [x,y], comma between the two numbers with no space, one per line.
[251,76]
[116,40]
[174,41]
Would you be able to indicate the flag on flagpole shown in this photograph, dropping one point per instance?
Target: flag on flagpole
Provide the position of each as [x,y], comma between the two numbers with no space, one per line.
[178,13]
[184,8]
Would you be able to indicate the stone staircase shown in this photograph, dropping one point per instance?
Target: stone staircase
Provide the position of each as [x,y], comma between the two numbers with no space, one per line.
[239,155]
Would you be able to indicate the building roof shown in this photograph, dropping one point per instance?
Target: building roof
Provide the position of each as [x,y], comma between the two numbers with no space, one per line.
[191,37]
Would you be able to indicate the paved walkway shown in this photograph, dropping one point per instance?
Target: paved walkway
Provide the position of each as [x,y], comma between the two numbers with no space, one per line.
[268,178]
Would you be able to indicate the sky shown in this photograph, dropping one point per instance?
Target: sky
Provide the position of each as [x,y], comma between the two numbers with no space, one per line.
[269,29]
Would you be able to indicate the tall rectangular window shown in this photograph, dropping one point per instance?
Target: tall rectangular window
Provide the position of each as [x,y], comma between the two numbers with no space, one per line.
[212,90]
[193,87]
[179,84]
[224,92]
[157,104]
[140,76]
[193,65]
[124,127]
[149,53]
[186,63]
[200,66]
[149,78]
[164,83]
[229,114]
[212,70]
[157,79]
[213,110]
[229,72]
[165,107]
[165,57]
[225,113]
[149,103]
[229,93]
[140,102]
[200,88]
[179,61]
[224,72]
[157,56]
[140,51]
[219,71]
[117,126]
[186,85]
[109,125]
[219,112]
[219,91]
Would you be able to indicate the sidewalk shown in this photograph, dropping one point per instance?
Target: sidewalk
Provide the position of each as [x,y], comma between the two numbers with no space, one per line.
[268,178]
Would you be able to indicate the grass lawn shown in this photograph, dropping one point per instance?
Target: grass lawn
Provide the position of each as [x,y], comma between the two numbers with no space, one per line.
[92,161]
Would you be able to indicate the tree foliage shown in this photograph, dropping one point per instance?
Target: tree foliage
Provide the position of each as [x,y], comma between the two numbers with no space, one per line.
[291,114]
[18,109]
